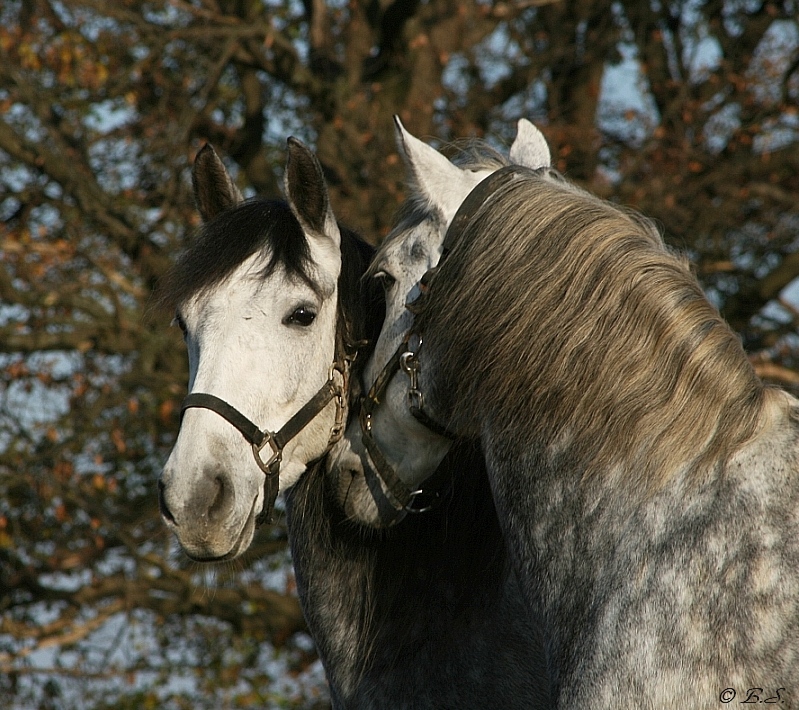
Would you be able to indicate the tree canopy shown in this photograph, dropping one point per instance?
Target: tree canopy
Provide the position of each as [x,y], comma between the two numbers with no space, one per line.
[686,111]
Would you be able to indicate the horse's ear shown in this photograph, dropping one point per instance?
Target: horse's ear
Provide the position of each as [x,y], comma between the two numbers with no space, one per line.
[214,191]
[306,191]
[530,148]
[442,185]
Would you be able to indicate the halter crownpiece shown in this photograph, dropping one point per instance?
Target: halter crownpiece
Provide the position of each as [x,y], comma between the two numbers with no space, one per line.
[277,441]
[466,212]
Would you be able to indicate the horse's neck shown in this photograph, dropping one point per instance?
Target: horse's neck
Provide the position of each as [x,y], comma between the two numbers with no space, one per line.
[452,545]
[591,552]
[331,570]
[383,606]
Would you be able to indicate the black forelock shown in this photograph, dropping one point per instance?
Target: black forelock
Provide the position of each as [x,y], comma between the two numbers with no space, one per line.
[227,240]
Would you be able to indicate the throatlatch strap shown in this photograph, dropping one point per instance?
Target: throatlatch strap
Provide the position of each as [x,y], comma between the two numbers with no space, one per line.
[475,199]
[466,212]
[271,488]
[428,422]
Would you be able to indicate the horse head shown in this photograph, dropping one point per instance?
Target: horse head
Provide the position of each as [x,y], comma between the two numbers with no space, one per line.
[256,296]
[397,443]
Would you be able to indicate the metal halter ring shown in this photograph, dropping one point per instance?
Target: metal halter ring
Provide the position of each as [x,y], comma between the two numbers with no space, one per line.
[271,465]
[434,500]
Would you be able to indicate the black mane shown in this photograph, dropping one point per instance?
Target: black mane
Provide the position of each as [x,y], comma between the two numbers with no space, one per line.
[225,241]
[410,593]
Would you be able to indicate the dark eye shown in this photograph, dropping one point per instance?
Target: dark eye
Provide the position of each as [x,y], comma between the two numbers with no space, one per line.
[302,316]
[180,323]
[386,280]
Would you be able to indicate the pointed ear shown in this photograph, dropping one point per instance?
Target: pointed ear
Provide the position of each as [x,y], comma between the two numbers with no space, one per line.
[306,192]
[530,148]
[214,191]
[433,178]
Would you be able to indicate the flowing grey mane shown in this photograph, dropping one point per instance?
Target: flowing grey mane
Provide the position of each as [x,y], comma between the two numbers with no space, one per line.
[644,479]
[588,277]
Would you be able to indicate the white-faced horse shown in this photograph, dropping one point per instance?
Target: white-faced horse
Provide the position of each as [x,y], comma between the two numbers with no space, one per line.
[271,302]
[258,296]
[646,481]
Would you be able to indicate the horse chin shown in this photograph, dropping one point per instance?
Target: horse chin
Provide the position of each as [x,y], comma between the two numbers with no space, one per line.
[363,503]
[364,508]
[290,473]
[371,509]
[225,543]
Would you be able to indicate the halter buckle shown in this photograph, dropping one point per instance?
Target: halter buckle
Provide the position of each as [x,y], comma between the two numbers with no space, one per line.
[337,430]
[410,366]
[365,416]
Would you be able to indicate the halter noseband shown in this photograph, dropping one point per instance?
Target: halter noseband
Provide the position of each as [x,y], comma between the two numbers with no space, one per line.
[277,441]
[406,358]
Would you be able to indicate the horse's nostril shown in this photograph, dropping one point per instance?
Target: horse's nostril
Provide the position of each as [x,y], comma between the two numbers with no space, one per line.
[219,499]
[209,500]
[162,506]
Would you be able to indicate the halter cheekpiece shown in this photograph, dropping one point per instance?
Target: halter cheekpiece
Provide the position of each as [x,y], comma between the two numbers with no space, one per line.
[406,359]
[259,439]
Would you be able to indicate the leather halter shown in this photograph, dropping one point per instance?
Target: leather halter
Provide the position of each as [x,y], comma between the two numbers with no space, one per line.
[406,358]
[277,441]
[412,501]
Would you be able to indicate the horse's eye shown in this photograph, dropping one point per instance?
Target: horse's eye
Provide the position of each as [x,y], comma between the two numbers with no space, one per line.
[386,280]
[302,316]
[180,323]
